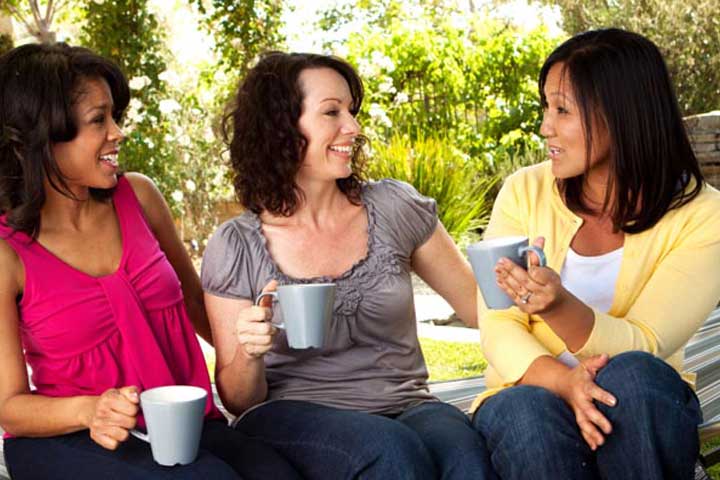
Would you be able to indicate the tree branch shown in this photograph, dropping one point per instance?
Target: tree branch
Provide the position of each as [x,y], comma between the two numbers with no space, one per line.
[36,13]
[20,18]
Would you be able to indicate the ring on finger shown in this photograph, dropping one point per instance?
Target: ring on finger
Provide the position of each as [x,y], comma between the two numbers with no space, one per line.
[526,298]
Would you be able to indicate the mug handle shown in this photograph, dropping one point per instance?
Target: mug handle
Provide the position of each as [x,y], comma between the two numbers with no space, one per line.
[275,296]
[537,251]
[138,434]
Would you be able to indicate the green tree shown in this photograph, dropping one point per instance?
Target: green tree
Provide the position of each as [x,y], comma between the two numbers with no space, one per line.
[471,78]
[687,32]
[242,30]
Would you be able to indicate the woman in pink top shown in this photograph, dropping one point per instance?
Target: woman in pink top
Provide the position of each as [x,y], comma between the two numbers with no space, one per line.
[96,289]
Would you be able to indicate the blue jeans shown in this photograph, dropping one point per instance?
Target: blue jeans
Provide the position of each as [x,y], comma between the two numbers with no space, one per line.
[530,432]
[432,440]
[224,454]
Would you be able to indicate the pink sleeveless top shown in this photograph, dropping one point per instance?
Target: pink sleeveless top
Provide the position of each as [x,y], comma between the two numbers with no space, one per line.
[83,335]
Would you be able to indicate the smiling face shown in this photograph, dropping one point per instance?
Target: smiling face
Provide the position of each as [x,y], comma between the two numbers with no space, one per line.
[90,159]
[562,127]
[327,124]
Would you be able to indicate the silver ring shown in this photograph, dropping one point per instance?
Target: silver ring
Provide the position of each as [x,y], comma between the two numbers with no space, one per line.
[526,298]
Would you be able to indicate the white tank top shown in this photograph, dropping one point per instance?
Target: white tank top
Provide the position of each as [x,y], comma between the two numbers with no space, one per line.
[592,280]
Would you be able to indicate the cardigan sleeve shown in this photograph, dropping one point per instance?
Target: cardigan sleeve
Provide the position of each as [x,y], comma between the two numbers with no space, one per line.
[679,295]
[506,338]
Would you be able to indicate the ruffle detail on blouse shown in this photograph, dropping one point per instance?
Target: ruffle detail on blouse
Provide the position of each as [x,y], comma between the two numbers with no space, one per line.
[379,259]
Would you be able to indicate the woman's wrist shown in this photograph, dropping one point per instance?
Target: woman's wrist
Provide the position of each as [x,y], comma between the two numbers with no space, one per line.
[85,409]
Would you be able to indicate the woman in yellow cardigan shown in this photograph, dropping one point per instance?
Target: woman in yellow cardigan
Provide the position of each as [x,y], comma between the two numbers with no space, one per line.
[593,348]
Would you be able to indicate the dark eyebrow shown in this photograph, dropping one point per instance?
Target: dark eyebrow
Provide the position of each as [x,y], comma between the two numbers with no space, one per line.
[563,95]
[329,99]
[103,106]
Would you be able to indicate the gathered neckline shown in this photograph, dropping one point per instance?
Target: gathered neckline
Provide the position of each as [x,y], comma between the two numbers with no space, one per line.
[283,278]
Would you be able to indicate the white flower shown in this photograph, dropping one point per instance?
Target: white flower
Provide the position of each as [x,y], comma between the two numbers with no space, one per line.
[99,2]
[190,186]
[377,113]
[402,97]
[367,69]
[134,113]
[382,61]
[170,77]
[168,106]
[178,196]
[387,87]
[138,83]
[208,135]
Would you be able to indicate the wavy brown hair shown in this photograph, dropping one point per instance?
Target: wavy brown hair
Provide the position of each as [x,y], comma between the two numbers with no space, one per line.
[39,85]
[261,130]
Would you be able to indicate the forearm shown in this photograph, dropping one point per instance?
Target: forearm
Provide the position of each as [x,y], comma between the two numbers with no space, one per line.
[29,415]
[571,320]
[546,372]
[241,384]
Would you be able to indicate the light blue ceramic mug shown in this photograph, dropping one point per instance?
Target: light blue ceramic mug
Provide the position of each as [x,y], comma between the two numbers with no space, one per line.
[174,418]
[307,310]
[484,256]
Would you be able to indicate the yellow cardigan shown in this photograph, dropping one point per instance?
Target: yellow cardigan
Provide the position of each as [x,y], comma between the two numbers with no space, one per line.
[668,284]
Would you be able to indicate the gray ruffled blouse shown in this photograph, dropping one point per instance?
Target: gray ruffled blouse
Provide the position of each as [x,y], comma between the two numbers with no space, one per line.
[372,360]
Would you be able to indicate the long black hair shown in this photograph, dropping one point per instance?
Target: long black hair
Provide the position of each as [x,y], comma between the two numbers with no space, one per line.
[39,85]
[620,78]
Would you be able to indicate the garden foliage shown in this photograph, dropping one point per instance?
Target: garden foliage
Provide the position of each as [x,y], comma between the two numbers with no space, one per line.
[438,170]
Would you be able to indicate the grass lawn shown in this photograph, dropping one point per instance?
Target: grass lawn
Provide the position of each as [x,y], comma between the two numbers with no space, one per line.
[449,360]
[713,471]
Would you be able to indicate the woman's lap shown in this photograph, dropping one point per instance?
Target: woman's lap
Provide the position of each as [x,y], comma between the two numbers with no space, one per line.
[325,442]
[76,457]
[656,411]
[430,440]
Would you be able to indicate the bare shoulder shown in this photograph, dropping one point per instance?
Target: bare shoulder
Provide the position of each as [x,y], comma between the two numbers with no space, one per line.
[145,189]
[10,264]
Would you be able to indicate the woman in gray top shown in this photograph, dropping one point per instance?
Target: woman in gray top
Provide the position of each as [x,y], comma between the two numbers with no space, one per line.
[359,407]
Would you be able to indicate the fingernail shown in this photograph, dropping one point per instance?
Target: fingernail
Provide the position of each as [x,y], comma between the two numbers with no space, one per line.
[613,402]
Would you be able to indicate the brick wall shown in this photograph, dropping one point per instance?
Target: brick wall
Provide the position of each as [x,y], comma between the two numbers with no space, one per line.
[704,130]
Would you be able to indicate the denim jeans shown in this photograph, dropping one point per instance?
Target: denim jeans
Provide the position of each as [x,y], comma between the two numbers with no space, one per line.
[432,440]
[224,454]
[532,433]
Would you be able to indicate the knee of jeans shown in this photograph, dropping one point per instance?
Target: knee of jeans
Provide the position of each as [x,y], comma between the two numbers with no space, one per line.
[637,371]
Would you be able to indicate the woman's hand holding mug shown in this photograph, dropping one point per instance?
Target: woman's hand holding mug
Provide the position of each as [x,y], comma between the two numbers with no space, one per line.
[535,290]
[111,415]
[253,328]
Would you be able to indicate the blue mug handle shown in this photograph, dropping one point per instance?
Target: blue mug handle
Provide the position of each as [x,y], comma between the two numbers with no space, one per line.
[537,251]
[275,296]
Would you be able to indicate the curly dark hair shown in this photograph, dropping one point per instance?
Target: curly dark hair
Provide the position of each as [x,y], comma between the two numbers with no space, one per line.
[39,85]
[261,130]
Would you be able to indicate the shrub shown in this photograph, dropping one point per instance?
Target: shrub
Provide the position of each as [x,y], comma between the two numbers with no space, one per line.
[436,169]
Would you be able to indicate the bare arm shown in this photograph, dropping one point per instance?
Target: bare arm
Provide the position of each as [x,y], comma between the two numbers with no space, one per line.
[440,264]
[158,215]
[242,337]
